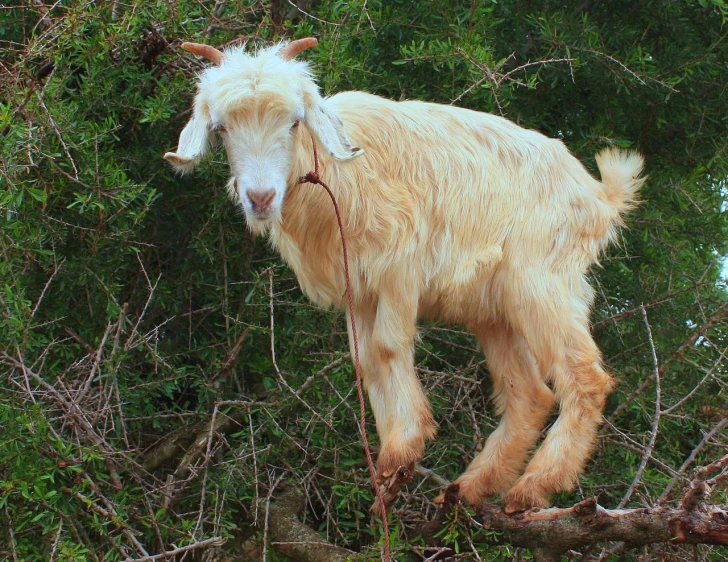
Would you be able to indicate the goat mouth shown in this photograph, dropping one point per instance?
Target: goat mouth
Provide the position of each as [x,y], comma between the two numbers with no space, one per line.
[261,215]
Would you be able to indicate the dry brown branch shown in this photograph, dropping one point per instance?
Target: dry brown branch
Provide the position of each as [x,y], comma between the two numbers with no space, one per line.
[429,473]
[629,71]
[717,465]
[56,269]
[700,487]
[231,359]
[321,372]
[108,513]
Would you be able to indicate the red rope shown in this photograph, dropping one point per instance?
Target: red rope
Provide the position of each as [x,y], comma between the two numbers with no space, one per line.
[313,177]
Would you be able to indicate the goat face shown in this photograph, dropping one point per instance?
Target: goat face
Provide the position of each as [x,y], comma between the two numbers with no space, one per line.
[259,141]
[256,103]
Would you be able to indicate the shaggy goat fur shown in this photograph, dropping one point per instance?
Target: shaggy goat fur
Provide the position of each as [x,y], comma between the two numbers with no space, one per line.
[450,214]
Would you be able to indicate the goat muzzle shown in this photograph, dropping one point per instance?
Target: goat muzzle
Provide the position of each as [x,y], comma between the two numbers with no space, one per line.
[261,199]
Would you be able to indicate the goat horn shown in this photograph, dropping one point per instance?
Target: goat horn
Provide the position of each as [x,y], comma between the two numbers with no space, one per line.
[294,47]
[204,51]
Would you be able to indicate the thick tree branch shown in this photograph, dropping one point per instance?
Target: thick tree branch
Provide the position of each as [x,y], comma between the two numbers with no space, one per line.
[295,540]
[548,533]
[559,530]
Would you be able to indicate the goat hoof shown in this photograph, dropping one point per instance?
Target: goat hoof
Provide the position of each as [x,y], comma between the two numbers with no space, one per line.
[398,457]
[449,497]
[403,473]
[383,476]
[514,507]
[517,502]
[389,486]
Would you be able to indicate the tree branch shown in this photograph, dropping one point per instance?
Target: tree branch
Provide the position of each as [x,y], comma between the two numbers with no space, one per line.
[561,529]
[548,533]
[292,538]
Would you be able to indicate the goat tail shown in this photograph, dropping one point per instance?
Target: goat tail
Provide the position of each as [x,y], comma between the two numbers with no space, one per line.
[620,171]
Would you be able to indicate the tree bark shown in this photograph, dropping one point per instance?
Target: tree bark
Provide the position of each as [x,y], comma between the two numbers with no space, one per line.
[559,529]
[549,533]
[295,540]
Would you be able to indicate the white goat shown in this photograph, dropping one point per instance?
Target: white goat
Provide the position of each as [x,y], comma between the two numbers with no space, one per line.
[449,214]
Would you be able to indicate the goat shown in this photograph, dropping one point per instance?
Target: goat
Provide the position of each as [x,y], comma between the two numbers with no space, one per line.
[450,214]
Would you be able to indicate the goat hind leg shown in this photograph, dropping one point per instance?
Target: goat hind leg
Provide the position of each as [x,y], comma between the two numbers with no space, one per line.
[523,400]
[582,387]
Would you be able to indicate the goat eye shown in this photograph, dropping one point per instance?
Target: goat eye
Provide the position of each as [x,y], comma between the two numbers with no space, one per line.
[295,124]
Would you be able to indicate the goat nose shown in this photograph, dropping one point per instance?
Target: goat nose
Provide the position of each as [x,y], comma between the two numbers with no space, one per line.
[261,198]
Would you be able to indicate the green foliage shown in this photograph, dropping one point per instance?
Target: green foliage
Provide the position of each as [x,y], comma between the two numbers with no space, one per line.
[125,288]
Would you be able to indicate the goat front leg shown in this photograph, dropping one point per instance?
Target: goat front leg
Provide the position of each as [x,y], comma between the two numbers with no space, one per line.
[401,410]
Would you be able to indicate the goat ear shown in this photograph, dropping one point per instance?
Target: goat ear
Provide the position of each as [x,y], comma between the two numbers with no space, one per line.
[192,143]
[327,126]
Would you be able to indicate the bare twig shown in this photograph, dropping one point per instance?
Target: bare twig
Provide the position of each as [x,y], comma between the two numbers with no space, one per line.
[629,71]
[152,289]
[708,375]
[108,513]
[72,408]
[97,362]
[321,372]
[432,475]
[56,269]
[11,534]
[655,422]
[267,513]
[280,376]
[497,79]
[207,543]
[305,13]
